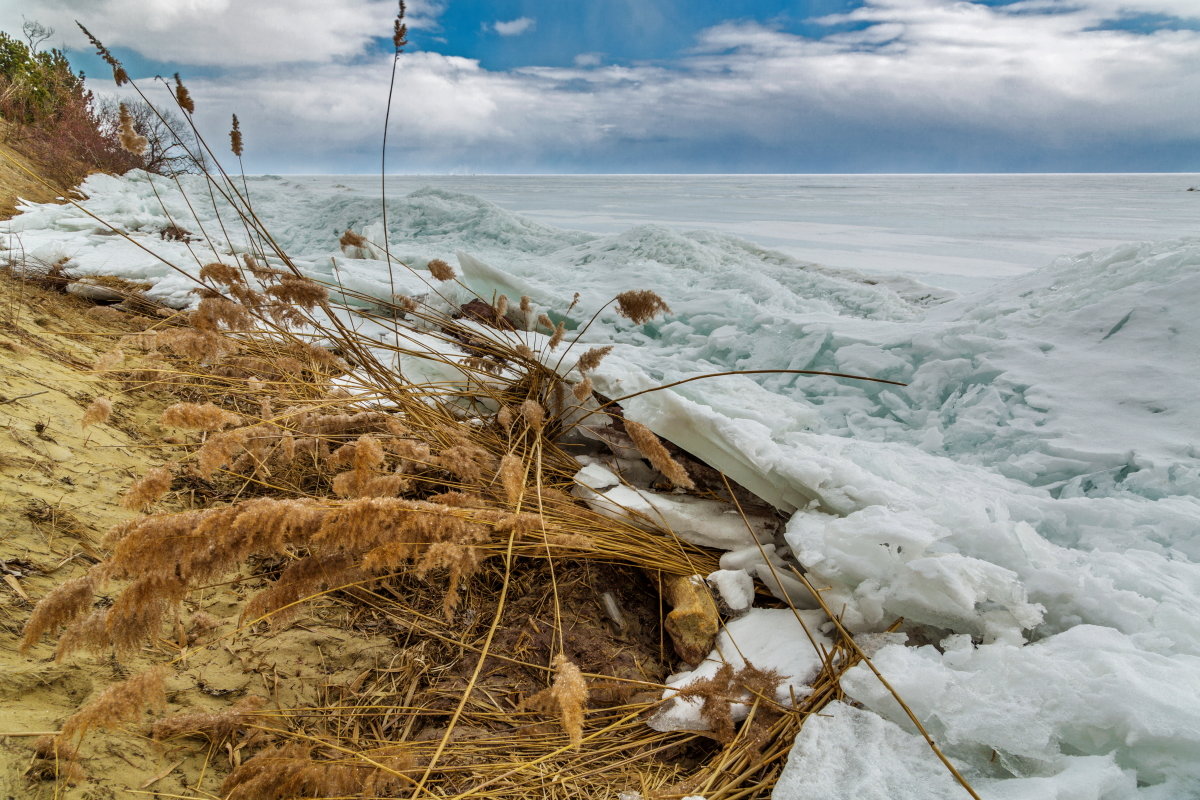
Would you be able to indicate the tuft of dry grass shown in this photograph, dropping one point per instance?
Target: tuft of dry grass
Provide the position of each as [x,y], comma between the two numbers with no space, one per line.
[649,446]
[592,358]
[440,270]
[63,604]
[146,491]
[97,412]
[120,703]
[236,144]
[199,416]
[131,140]
[641,305]
[183,97]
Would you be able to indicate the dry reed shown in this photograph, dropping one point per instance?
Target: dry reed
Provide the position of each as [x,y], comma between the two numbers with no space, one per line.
[148,490]
[649,446]
[97,412]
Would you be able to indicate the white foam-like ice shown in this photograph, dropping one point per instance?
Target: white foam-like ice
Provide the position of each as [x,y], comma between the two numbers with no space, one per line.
[1030,500]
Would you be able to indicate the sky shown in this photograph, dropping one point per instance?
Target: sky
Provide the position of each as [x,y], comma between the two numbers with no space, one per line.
[665,86]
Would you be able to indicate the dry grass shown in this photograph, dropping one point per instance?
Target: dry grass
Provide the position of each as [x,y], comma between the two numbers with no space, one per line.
[459,539]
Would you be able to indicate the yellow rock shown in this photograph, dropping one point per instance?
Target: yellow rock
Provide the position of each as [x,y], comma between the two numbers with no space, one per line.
[693,623]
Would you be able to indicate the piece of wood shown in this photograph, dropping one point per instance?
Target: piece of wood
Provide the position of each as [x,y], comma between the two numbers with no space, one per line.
[15,585]
[161,775]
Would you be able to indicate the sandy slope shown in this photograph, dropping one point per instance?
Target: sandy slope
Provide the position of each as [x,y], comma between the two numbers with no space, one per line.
[60,487]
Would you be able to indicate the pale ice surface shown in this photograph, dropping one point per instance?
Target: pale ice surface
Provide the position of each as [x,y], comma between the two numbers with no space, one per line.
[1029,502]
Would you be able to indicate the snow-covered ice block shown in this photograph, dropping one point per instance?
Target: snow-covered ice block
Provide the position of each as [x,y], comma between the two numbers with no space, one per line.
[735,587]
[773,639]
[1087,691]
[848,752]
[708,523]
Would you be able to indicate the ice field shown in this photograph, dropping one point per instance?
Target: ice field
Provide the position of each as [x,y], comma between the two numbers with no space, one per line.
[1029,502]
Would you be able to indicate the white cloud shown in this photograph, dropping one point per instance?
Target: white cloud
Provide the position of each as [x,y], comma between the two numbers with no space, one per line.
[923,79]
[225,32]
[514,27]
[589,59]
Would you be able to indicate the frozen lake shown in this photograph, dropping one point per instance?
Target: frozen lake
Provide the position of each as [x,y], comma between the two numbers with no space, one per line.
[953,231]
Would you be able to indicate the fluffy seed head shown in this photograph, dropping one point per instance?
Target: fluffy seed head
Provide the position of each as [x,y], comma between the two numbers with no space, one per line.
[650,447]
[99,411]
[440,270]
[296,291]
[512,477]
[557,338]
[399,29]
[119,73]
[235,137]
[534,414]
[121,702]
[221,273]
[197,416]
[131,140]
[570,694]
[641,305]
[183,97]
[583,389]
[147,491]
[352,239]
[592,358]
[109,360]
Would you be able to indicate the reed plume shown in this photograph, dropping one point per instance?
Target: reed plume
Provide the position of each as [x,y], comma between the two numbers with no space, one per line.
[649,446]
[98,412]
[217,727]
[183,97]
[641,306]
[296,291]
[222,273]
[119,74]
[199,416]
[440,270]
[235,137]
[109,360]
[132,141]
[512,477]
[122,702]
[400,29]
[365,458]
[55,759]
[63,604]
[533,414]
[592,358]
[567,695]
[148,490]
[286,771]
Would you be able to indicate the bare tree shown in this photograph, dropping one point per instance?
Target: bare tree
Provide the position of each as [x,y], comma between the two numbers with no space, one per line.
[35,33]
[171,143]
